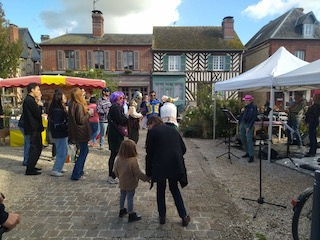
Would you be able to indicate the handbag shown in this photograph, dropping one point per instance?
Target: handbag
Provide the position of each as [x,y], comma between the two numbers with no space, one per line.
[123,130]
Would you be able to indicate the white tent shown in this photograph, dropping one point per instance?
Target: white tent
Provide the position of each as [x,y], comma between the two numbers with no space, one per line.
[261,78]
[306,77]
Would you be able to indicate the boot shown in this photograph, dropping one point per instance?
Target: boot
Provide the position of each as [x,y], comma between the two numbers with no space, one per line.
[122,212]
[134,217]
[245,156]
[251,159]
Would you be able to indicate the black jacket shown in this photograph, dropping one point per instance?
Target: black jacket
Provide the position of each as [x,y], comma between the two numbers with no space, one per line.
[313,113]
[165,150]
[32,116]
[249,115]
[58,123]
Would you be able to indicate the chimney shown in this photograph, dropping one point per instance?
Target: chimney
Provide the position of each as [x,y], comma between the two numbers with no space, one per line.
[97,24]
[13,32]
[227,28]
[44,38]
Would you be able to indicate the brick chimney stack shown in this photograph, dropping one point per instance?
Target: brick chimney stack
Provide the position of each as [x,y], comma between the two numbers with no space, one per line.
[97,24]
[227,28]
[13,32]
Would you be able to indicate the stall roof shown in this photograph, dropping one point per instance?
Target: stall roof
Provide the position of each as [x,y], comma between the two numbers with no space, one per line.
[52,80]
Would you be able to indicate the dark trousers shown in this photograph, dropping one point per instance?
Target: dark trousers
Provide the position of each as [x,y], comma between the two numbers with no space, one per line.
[35,150]
[112,158]
[161,197]
[313,136]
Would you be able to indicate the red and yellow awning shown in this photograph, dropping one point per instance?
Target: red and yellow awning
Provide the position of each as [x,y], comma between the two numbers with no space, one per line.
[52,80]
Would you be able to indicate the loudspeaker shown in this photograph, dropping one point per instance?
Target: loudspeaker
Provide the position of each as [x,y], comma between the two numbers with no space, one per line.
[264,153]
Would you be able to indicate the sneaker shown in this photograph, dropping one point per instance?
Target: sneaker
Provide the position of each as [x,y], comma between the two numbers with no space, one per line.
[134,217]
[111,180]
[186,221]
[56,174]
[122,212]
[64,171]
[251,159]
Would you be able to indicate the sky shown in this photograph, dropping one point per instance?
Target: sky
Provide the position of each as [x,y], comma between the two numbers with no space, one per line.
[57,17]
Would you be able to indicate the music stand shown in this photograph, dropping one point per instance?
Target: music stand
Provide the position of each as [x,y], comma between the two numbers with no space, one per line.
[289,131]
[230,117]
[261,200]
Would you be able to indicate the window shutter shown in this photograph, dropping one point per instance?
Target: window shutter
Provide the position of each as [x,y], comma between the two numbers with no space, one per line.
[210,63]
[77,59]
[136,60]
[106,60]
[183,63]
[60,54]
[89,59]
[165,63]
[119,60]
[227,60]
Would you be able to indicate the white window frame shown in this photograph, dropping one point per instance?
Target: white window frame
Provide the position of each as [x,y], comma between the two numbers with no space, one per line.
[219,63]
[300,54]
[174,63]
[308,29]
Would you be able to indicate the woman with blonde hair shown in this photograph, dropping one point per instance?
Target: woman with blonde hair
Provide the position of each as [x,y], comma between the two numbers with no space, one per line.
[79,129]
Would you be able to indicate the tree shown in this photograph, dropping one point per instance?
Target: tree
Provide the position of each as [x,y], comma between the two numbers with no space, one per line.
[10,51]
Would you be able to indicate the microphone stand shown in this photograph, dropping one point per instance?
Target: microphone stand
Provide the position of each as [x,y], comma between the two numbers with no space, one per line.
[261,200]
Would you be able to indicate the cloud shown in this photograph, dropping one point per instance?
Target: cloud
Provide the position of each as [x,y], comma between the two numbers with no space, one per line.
[121,16]
[266,8]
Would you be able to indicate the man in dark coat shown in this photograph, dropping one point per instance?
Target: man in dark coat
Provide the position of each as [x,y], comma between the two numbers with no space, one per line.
[32,111]
[165,149]
[7,220]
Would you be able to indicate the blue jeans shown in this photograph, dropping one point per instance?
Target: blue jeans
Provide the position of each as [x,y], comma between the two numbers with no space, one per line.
[246,138]
[313,136]
[61,145]
[79,165]
[294,124]
[94,131]
[103,131]
[161,197]
[26,147]
[129,195]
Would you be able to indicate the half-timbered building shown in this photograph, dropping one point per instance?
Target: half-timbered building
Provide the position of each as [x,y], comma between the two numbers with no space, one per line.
[184,58]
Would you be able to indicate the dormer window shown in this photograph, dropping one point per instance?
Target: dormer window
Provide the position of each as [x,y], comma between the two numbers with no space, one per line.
[308,30]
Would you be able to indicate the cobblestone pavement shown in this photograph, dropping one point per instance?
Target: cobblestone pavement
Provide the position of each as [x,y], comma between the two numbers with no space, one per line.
[58,208]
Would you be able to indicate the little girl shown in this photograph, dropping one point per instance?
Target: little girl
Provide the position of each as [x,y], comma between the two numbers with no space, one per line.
[127,170]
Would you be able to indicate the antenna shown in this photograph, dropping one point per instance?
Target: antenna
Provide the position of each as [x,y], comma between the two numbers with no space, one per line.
[94,4]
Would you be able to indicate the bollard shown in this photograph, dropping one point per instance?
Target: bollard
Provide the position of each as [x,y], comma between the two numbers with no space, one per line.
[315,223]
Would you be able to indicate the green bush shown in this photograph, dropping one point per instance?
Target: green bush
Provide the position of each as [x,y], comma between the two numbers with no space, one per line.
[197,122]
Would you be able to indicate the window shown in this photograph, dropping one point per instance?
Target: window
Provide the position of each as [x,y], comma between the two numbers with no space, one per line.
[219,63]
[300,54]
[174,63]
[128,60]
[169,89]
[70,60]
[99,59]
[308,30]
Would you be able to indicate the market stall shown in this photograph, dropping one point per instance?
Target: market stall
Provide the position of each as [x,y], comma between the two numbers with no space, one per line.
[48,83]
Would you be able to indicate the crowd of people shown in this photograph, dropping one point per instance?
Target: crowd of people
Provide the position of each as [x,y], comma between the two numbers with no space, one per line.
[81,123]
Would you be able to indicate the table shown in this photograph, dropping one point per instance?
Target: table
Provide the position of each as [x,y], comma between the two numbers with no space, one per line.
[275,124]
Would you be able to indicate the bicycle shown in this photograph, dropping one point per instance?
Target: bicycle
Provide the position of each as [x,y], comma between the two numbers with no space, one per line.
[302,216]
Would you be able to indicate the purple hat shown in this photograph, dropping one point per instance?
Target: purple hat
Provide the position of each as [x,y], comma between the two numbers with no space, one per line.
[248,98]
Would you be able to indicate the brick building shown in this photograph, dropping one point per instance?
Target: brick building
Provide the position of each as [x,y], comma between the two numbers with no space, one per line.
[297,31]
[127,58]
